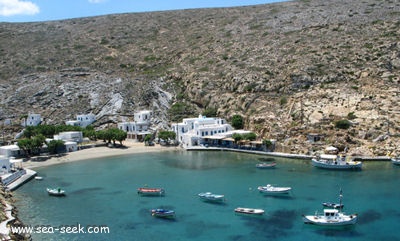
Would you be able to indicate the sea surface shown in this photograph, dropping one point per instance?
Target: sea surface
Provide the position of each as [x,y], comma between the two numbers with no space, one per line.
[102,193]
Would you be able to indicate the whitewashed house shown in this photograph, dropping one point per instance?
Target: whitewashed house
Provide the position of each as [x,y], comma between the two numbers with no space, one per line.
[5,165]
[191,131]
[82,120]
[10,151]
[32,120]
[138,128]
[70,136]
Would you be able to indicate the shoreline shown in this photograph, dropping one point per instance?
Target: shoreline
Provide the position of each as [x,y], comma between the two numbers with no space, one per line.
[97,152]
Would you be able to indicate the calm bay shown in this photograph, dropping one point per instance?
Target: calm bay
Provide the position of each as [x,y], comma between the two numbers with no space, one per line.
[102,192]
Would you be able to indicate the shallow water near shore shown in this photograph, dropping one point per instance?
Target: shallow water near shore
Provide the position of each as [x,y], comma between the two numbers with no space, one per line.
[102,192]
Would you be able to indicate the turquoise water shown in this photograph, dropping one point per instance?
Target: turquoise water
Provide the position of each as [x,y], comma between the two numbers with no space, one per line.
[103,192]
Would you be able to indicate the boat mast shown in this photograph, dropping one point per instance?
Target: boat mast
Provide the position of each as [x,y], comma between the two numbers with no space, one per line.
[340,200]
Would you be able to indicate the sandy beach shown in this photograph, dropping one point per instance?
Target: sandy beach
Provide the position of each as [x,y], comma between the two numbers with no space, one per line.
[97,152]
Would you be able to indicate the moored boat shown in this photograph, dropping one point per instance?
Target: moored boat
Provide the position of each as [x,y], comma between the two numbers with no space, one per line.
[396,161]
[150,191]
[269,189]
[331,217]
[335,162]
[210,197]
[266,165]
[56,191]
[38,178]
[162,213]
[249,211]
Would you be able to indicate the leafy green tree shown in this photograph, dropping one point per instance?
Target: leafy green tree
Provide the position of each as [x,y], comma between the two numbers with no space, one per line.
[250,136]
[29,131]
[210,112]
[37,143]
[167,135]
[118,135]
[25,145]
[237,122]
[56,146]
[237,137]
[148,138]
[89,132]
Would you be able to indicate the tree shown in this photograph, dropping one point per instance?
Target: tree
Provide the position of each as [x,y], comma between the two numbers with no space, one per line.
[118,135]
[37,143]
[55,146]
[250,136]
[237,122]
[210,112]
[29,131]
[237,137]
[167,135]
[25,145]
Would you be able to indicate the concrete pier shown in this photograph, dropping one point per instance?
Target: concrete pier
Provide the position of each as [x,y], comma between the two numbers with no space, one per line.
[21,180]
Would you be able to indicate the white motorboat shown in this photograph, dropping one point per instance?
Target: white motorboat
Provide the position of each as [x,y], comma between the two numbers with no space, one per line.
[396,161]
[210,197]
[331,217]
[249,211]
[335,162]
[266,165]
[269,189]
[56,191]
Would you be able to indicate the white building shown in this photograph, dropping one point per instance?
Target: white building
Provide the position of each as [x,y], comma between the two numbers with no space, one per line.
[70,136]
[5,165]
[32,120]
[82,120]
[191,130]
[142,116]
[10,151]
[138,128]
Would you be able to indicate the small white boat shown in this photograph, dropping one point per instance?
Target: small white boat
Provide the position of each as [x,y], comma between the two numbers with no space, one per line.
[38,178]
[266,165]
[56,191]
[145,191]
[269,189]
[335,162]
[331,217]
[396,161]
[162,213]
[249,211]
[210,197]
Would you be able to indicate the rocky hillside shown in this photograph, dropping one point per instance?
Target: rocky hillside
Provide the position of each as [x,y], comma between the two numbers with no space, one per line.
[289,68]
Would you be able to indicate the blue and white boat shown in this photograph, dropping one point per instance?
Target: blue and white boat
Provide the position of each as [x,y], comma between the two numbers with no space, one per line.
[335,162]
[162,213]
[210,197]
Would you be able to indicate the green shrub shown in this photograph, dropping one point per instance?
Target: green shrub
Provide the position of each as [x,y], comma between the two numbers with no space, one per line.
[342,124]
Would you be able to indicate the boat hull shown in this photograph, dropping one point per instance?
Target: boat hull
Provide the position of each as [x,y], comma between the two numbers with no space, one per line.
[336,165]
[269,190]
[266,165]
[56,192]
[249,211]
[163,213]
[396,161]
[316,220]
[209,197]
[150,191]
